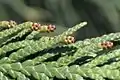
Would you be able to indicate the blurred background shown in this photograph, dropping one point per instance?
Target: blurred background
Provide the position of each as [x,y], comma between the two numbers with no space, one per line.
[103,16]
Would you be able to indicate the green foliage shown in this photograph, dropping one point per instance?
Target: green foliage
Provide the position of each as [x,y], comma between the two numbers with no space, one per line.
[23,57]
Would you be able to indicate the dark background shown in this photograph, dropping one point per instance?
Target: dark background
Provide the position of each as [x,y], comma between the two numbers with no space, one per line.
[103,16]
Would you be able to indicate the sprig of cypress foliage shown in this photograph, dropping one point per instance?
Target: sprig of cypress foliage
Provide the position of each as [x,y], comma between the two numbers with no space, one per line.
[40,44]
[23,57]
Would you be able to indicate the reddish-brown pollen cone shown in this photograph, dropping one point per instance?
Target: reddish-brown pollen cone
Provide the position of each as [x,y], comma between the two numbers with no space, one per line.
[69,39]
[107,44]
[36,26]
[51,28]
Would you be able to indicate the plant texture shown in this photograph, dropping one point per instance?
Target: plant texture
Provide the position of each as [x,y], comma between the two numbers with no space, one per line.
[25,55]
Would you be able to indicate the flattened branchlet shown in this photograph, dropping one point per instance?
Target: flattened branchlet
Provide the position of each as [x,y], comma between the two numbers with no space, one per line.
[23,57]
